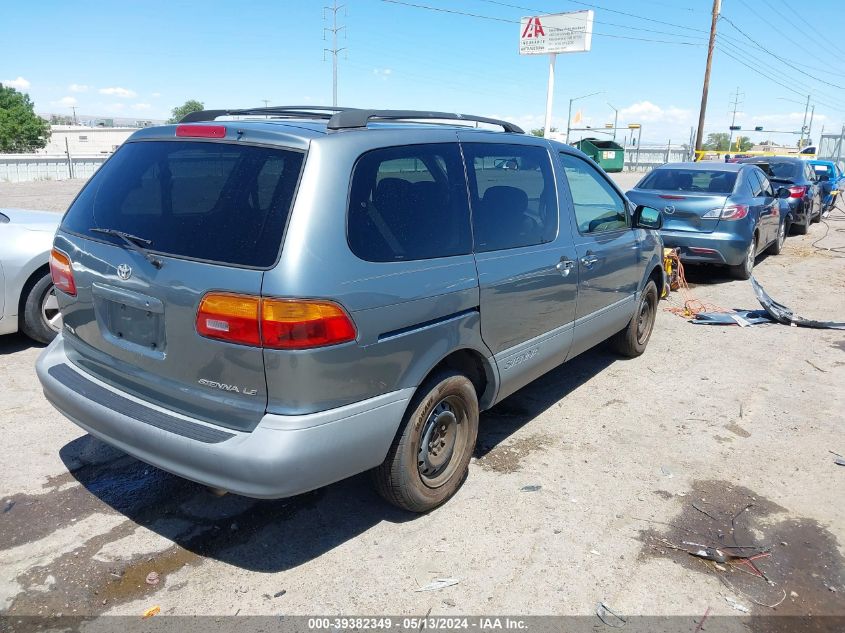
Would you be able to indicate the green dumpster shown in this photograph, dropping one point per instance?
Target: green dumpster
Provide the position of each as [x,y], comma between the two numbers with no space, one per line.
[609,154]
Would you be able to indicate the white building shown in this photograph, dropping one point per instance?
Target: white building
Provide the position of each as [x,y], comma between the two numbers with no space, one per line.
[81,139]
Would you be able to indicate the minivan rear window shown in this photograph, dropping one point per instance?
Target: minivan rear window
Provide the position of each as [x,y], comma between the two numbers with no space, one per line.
[691,180]
[217,202]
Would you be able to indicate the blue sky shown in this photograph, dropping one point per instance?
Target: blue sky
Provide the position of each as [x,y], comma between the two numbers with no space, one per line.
[139,59]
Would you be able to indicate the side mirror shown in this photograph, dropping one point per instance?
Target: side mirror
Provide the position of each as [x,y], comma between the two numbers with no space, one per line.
[647,218]
[783,192]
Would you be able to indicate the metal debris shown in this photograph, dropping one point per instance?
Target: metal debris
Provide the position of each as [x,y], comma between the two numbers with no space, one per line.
[439,583]
[782,314]
[610,617]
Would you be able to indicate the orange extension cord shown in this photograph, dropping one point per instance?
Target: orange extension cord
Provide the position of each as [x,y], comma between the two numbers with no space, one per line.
[692,306]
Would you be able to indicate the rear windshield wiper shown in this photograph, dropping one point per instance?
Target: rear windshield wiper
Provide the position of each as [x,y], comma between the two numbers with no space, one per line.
[134,242]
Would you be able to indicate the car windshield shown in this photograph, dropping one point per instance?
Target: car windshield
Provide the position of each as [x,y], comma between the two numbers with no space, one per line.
[692,180]
[781,170]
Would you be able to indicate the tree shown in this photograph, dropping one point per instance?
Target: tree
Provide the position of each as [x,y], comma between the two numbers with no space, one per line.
[718,141]
[743,144]
[21,130]
[541,132]
[191,105]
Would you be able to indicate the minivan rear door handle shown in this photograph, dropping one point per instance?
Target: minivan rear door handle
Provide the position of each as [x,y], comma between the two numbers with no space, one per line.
[564,266]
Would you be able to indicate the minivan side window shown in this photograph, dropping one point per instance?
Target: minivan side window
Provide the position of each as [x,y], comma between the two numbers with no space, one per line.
[598,206]
[513,195]
[409,203]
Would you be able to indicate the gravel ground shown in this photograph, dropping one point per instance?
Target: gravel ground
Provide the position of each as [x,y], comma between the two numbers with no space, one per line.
[582,484]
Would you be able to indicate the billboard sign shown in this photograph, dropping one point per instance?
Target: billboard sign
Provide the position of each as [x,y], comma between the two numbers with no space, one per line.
[559,33]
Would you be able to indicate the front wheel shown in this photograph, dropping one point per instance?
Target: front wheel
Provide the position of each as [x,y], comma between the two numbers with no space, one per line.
[429,458]
[632,341]
[744,270]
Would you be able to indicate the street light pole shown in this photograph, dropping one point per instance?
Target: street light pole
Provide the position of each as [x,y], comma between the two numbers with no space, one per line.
[569,115]
[804,124]
[615,119]
[550,95]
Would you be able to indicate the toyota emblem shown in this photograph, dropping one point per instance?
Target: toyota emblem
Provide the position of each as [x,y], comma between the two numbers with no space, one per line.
[124,271]
[669,210]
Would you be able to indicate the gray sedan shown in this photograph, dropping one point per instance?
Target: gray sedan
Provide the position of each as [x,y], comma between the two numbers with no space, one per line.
[27,298]
[716,213]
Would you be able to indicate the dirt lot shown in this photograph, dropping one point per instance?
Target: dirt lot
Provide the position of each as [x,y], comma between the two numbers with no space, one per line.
[583,484]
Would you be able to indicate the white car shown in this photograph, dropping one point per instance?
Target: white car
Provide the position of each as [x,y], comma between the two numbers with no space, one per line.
[27,298]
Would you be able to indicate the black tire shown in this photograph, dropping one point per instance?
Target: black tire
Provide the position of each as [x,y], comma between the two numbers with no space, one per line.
[33,321]
[817,218]
[746,268]
[632,341]
[777,246]
[801,229]
[445,412]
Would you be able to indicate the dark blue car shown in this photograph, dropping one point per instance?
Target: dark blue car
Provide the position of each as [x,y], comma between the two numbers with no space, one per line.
[805,196]
[716,213]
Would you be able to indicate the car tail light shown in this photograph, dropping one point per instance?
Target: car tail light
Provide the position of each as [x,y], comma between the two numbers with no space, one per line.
[673,197]
[797,191]
[293,324]
[201,131]
[273,323]
[62,273]
[229,317]
[734,212]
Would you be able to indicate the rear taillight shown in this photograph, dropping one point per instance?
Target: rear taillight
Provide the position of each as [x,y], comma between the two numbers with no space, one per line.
[229,317]
[797,191]
[291,324]
[201,131]
[735,212]
[273,323]
[62,273]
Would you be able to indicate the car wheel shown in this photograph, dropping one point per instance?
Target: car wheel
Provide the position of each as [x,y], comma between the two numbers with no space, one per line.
[632,341]
[777,245]
[41,319]
[744,270]
[817,217]
[429,458]
[801,229]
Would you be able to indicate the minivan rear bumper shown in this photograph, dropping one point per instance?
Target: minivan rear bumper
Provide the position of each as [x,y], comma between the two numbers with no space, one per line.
[707,248]
[281,457]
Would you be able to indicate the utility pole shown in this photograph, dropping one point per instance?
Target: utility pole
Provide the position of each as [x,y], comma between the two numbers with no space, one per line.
[334,29]
[75,122]
[717,7]
[736,103]
[266,102]
[804,124]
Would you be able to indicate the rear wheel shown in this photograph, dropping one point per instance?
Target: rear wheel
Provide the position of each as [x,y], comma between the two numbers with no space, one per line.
[777,245]
[744,270]
[429,459]
[801,229]
[632,341]
[41,319]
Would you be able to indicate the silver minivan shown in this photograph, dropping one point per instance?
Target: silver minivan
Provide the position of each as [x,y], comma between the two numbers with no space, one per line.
[268,301]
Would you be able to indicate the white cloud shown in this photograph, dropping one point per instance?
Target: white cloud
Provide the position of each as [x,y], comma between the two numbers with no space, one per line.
[156,95]
[384,73]
[78,88]
[648,112]
[19,84]
[65,102]
[141,106]
[124,93]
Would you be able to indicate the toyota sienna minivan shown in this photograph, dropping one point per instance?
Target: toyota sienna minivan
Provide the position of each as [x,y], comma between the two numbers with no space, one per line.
[268,301]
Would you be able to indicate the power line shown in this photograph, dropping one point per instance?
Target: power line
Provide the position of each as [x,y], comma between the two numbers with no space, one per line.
[797,15]
[602,22]
[509,21]
[776,56]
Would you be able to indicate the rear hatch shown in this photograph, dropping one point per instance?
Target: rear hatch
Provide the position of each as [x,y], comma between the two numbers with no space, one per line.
[690,199]
[206,216]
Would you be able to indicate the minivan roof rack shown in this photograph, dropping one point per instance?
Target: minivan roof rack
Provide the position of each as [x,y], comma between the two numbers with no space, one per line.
[348,118]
